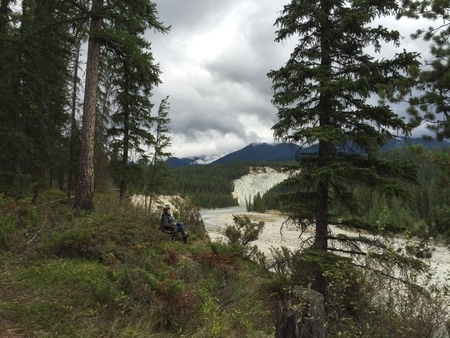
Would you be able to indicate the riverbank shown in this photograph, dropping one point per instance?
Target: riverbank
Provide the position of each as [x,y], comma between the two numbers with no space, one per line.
[277,233]
[274,234]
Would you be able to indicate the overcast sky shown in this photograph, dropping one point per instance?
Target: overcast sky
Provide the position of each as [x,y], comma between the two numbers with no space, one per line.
[214,65]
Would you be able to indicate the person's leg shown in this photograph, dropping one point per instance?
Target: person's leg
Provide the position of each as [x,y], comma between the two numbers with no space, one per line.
[181,228]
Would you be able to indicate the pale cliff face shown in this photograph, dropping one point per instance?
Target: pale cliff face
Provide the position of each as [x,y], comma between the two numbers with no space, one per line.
[259,180]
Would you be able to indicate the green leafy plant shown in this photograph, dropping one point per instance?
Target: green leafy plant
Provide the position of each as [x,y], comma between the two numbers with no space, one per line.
[244,230]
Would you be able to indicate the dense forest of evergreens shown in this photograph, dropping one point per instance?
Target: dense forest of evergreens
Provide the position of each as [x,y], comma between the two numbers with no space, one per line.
[425,213]
[52,134]
[211,186]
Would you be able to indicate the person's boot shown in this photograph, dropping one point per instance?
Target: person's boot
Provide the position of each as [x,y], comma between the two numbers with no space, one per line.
[185,237]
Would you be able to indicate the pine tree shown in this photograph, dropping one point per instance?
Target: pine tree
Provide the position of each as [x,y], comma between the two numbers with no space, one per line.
[84,198]
[121,35]
[322,97]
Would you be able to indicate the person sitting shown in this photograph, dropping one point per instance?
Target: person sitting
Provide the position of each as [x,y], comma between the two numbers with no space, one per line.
[169,223]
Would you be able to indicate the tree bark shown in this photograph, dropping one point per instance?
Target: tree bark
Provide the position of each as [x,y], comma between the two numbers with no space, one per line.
[73,122]
[126,136]
[322,206]
[84,198]
[4,11]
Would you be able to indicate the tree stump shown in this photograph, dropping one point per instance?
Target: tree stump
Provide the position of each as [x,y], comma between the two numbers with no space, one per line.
[301,315]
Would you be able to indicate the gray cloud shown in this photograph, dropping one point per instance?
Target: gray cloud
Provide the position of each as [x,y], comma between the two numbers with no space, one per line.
[214,65]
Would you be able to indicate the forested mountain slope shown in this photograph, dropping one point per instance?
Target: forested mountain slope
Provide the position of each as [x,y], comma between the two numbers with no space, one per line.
[287,152]
[423,214]
[211,186]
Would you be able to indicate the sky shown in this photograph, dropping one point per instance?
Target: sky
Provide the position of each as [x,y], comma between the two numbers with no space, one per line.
[214,64]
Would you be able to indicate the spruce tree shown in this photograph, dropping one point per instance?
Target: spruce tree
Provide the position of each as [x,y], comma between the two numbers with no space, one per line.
[133,79]
[431,105]
[322,95]
[158,171]
[33,56]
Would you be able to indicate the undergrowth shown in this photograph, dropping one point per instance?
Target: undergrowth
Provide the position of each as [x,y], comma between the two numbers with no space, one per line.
[111,273]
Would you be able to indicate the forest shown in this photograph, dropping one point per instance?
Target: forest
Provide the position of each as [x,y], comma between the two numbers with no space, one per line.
[63,117]
[424,213]
[211,186]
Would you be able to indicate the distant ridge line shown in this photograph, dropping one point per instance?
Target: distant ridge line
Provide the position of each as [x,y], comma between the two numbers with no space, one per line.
[279,152]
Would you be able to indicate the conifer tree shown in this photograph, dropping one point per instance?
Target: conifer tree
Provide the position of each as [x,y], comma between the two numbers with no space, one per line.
[33,56]
[431,105]
[121,35]
[132,120]
[322,95]
[158,170]
[84,197]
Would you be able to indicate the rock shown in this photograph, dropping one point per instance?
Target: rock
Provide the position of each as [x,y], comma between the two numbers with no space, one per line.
[301,315]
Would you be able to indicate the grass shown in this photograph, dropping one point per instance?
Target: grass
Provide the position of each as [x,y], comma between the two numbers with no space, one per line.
[110,273]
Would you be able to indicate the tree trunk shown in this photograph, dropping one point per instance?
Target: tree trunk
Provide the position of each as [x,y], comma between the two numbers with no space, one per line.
[126,135]
[84,198]
[73,122]
[301,315]
[322,207]
[4,15]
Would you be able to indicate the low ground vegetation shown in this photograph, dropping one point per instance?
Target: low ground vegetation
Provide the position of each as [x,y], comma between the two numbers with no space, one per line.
[111,273]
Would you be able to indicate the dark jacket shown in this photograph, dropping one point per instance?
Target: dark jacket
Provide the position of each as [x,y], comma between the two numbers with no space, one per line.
[167,221]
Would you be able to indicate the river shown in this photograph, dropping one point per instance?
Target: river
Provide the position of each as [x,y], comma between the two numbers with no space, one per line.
[214,218]
[275,234]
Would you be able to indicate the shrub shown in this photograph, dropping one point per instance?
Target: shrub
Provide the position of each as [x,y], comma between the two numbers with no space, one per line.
[243,231]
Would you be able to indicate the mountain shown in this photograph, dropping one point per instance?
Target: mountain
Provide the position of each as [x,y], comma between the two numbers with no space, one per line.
[175,162]
[261,152]
[401,142]
[286,152]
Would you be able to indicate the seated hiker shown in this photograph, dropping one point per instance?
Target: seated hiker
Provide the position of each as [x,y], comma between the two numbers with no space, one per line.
[169,223]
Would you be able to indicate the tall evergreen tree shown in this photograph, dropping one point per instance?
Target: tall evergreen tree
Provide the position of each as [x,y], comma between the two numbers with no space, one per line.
[84,198]
[79,32]
[132,120]
[158,170]
[122,36]
[322,94]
